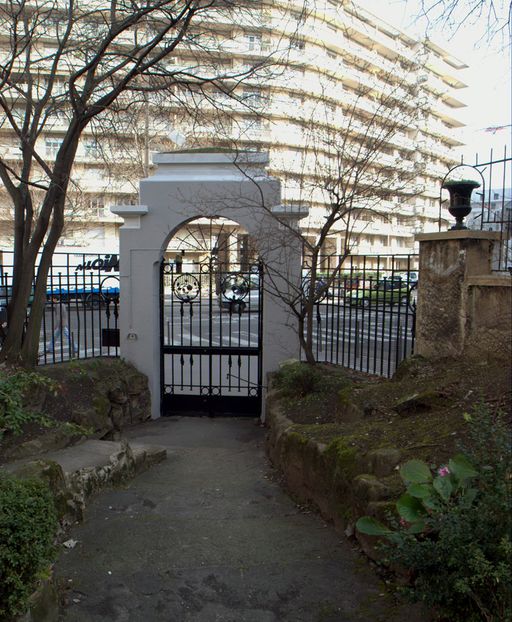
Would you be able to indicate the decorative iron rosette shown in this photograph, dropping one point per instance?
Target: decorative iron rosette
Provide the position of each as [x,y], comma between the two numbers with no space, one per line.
[186,287]
[234,287]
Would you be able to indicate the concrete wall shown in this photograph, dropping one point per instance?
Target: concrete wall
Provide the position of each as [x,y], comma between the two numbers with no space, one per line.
[187,186]
[463,308]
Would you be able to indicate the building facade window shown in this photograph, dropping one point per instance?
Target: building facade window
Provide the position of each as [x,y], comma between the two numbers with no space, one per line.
[253,97]
[97,207]
[92,148]
[253,42]
[52,146]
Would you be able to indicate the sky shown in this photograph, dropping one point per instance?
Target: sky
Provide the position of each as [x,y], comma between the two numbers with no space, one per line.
[489,93]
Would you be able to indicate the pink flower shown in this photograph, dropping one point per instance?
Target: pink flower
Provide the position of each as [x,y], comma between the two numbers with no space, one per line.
[404,523]
[443,471]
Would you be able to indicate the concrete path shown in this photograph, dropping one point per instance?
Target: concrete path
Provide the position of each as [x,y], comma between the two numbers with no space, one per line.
[208,535]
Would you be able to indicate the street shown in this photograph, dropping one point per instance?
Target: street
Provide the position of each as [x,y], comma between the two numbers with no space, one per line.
[373,340]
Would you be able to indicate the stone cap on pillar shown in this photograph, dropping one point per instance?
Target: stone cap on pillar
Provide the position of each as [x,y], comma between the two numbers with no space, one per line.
[130,213]
[461,234]
[209,155]
[189,162]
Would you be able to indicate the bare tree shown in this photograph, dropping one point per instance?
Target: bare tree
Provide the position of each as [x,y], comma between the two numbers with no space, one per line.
[496,14]
[70,66]
[344,175]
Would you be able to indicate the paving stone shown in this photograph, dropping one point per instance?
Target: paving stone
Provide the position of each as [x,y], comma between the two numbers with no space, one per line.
[209,535]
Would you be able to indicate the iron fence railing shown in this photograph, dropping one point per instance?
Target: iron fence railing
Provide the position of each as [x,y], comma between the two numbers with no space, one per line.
[363,319]
[365,313]
[492,206]
[81,314]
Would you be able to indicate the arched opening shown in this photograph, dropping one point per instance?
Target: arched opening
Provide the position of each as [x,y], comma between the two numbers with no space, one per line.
[203,239]
[211,320]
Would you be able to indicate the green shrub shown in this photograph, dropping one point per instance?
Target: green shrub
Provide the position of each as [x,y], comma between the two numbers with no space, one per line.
[455,525]
[28,524]
[299,379]
[14,389]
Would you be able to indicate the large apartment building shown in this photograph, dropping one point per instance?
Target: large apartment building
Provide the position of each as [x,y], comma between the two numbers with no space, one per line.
[326,73]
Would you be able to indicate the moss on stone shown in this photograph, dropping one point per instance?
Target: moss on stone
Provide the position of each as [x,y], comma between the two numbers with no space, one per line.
[294,438]
[345,395]
[342,458]
[411,367]
[344,510]
[101,404]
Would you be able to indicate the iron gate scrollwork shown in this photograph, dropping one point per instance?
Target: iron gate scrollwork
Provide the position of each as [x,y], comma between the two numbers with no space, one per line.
[211,339]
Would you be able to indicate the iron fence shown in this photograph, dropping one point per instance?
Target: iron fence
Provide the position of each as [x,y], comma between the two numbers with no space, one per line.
[364,315]
[365,312]
[493,211]
[81,314]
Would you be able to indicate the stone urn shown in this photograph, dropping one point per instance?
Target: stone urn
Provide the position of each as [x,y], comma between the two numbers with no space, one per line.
[460,200]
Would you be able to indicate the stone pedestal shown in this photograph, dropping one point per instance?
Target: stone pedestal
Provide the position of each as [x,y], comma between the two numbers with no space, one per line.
[463,308]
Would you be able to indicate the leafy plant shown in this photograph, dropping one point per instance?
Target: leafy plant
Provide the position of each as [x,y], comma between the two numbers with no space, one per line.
[453,531]
[299,379]
[28,524]
[14,390]
[427,494]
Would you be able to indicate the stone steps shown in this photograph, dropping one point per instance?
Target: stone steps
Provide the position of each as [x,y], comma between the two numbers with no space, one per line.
[74,474]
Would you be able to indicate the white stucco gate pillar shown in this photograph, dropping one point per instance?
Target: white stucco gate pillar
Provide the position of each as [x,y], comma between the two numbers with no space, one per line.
[203,184]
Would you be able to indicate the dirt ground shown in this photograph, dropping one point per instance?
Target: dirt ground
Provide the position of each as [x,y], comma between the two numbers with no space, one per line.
[347,403]
[421,411]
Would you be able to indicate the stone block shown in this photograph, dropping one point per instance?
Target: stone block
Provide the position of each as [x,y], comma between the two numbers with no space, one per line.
[118,395]
[449,263]
[380,509]
[382,462]
[96,418]
[417,402]
[44,603]
[153,454]
[51,472]
[136,383]
[368,488]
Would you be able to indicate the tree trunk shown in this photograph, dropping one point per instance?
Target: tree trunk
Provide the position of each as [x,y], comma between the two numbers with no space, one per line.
[309,310]
[306,347]
[11,348]
[21,347]
[30,347]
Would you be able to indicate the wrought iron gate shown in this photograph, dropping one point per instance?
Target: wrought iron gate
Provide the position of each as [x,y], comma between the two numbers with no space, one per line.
[211,338]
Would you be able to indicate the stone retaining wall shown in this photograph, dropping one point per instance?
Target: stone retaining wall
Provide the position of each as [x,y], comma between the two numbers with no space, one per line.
[71,491]
[100,397]
[341,483]
[103,396]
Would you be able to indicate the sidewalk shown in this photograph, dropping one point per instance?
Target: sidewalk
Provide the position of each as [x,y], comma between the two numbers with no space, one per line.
[207,535]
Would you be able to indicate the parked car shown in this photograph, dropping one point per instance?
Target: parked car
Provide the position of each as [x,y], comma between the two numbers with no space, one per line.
[385,291]
[408,277]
